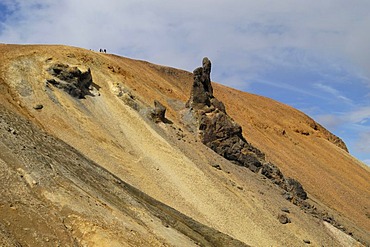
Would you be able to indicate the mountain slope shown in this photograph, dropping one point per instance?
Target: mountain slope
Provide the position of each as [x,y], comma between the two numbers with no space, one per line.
[304,150]
[166,161]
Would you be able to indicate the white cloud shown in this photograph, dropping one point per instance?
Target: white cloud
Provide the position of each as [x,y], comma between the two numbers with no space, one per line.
[355,126]
[359,116]
[337,94]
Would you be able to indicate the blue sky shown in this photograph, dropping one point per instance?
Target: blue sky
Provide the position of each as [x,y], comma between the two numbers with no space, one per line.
[312,55]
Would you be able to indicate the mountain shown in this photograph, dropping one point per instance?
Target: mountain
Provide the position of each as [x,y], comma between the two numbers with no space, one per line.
[87,159]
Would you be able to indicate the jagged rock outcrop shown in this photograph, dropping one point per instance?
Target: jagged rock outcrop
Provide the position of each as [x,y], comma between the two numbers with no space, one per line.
[219,132]
[292,187]
[295,188]
[72,80]
[216,129]
[222,134]
[158,113]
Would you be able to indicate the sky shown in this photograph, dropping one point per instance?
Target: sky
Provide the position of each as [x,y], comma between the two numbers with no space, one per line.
[312,55]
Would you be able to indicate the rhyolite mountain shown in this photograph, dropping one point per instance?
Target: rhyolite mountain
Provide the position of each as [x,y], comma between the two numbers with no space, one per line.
[102,150]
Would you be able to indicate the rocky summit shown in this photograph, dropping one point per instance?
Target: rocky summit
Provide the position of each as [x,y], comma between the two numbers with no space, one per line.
[102,150]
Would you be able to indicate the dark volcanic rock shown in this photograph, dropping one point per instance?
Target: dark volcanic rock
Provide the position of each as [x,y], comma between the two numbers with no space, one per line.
[306,241]
[202,90]
[222,134]
[217,130]
[38,107]
[217,166]
[71,79]
[158,113]
[283,219]
[286,210]
[294,187]
[206,77]
[273,173]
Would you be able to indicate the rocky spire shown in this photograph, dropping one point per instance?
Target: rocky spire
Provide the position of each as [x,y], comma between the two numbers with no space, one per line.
[206,76]
[222,134]
[202,91]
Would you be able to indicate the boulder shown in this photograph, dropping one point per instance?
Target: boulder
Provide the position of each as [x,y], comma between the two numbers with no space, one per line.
[306,241]
[217,166]
[38,107]
[285,210]
[283,219]
[158,113]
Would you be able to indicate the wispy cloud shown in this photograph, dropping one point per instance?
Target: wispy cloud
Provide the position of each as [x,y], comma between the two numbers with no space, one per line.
[291,88]
[359,116]
[334,92]
[364,143]
[354,126]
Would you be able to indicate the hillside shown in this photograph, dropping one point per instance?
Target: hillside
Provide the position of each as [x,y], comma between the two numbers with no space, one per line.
[89,168]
